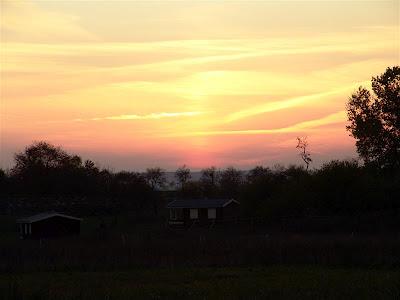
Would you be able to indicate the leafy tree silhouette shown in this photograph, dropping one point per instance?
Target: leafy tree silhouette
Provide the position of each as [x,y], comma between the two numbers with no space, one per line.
[44,168]
[375,120]
[230,181]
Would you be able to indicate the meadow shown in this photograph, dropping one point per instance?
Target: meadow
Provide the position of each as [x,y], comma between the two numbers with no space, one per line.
[132,260]
[295,282]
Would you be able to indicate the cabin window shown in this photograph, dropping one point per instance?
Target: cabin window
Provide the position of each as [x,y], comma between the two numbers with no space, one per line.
[212,213]
[175,214]
[26,229]
[194,213]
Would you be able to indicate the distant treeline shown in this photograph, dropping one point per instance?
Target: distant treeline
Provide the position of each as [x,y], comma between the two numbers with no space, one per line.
[43,173]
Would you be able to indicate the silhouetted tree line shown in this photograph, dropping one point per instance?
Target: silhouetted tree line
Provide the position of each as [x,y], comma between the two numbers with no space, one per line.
[44,171]
[337,188]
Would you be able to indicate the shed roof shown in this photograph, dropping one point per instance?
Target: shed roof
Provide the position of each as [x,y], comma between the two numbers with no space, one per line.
[46,215]
[200,203]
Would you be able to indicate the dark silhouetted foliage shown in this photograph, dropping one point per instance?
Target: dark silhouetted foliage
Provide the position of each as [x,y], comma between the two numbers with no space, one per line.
[208,179]
[46,169]
[4,185]
[375,120]
[183,175]
[230,182]
[43,171]
[53,178]
[156,178]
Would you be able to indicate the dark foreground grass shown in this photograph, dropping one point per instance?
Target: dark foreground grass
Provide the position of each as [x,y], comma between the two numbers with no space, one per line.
[206,283]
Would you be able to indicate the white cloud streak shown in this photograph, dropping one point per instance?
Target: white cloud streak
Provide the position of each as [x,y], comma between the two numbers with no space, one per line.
[152,116]
[289,103]
[306,125]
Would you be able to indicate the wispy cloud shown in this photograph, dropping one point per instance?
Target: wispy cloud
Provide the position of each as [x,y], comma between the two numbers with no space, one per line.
[284,104]
[187,71]
[44,25]
[152,116]
[307,125]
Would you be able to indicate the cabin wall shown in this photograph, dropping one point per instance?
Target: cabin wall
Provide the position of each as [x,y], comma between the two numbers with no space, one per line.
[186,215]
[55,227]
[24,229]
[220,214]
[203,216]
[231,211]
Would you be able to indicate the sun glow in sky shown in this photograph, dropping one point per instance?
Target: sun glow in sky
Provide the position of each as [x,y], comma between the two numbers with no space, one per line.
[134,84]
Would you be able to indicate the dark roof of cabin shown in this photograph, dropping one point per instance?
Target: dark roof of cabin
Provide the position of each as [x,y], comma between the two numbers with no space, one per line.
[45,215]
[200,203]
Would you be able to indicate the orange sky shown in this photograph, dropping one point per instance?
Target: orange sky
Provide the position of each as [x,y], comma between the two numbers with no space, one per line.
[136,84]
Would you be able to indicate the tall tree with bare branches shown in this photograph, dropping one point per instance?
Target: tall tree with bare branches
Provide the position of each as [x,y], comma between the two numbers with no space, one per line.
[183,175]
[302,145]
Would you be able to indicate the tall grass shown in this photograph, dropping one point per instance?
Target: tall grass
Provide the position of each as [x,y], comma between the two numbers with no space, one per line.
[195,248]
[205,283]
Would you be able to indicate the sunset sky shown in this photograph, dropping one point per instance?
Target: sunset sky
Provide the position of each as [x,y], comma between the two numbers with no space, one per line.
[135,84]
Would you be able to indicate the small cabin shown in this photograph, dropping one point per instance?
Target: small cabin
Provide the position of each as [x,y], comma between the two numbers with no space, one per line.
[184,212]
[48,225]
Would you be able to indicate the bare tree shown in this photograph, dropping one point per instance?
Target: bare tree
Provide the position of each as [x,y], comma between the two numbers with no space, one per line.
[230,181]
[156,177]
[305,155]
[209,180]
[209,175]
[183,175]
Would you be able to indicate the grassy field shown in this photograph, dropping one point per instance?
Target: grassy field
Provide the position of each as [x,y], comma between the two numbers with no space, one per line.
[148,261]
[206,283]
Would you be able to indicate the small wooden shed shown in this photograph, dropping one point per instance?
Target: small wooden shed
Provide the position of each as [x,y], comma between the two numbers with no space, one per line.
[48,225]
[202,211]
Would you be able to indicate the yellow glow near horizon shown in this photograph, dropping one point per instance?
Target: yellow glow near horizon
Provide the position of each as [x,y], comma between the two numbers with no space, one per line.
[135,84]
